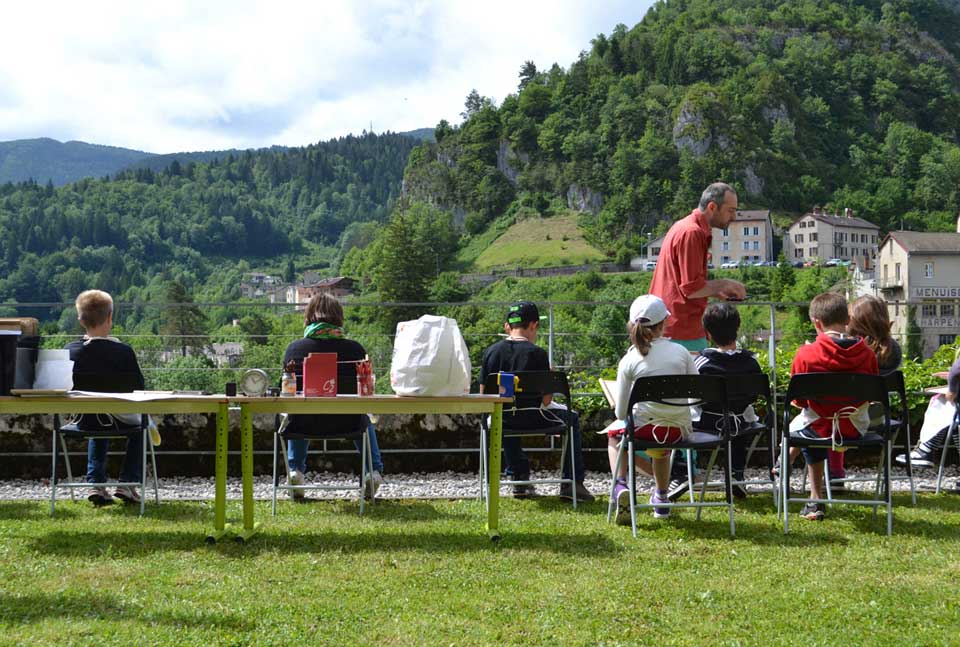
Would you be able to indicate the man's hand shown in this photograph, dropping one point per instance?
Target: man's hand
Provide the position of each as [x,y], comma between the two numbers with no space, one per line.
[730,289]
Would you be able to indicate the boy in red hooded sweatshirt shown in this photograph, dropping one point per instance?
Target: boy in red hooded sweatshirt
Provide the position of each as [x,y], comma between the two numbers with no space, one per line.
[832,352]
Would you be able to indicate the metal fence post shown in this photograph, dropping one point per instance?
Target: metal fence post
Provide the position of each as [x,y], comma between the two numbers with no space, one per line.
[550,335]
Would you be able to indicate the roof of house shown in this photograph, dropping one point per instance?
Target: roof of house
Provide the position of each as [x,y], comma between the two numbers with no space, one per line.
[926,242]
[753,214]
[839,221]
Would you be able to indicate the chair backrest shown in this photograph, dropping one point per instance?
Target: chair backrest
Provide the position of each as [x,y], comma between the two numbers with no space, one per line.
[895,384]
[752,386]
[679,391]
[106,382]
[838,389]
[534,383]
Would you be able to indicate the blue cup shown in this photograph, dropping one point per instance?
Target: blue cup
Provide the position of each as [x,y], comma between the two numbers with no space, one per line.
[507,383]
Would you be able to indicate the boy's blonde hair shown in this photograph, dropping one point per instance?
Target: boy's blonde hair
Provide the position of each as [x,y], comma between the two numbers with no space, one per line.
[93,308]
[830,309]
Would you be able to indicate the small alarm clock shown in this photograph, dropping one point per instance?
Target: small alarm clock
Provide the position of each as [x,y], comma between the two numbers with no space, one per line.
[254,382]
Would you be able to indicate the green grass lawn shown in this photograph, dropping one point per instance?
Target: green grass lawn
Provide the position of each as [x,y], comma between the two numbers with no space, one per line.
[539,242]
[424,573]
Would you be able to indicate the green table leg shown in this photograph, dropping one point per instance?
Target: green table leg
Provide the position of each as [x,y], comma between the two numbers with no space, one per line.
[246,466]
[493,511]
[220,488]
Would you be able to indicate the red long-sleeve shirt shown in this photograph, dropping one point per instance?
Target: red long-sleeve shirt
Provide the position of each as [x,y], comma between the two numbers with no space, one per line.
[682,270]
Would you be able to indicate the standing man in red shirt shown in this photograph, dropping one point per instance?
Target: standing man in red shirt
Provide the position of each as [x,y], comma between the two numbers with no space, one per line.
[680,278]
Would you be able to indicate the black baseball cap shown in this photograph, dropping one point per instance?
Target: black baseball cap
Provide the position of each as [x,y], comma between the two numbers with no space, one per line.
[523,312]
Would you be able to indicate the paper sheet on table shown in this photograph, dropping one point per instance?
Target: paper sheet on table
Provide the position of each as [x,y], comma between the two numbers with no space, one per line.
[136,396]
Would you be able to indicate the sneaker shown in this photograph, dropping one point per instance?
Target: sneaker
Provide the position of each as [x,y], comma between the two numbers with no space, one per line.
[374,481]
[679,486]
[918,458]
[658,496]
[127,494]
[99,496]
[295,479]
[524,491]
[583,494]
[813,511]
[621,494]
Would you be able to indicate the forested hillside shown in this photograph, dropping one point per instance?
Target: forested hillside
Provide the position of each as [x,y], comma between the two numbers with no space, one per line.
[199,224]
[45,159]
[797,103]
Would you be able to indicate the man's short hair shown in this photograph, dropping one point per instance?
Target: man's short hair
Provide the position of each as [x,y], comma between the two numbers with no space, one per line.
[716,192]
[722,322]
[93,307]
[829,309]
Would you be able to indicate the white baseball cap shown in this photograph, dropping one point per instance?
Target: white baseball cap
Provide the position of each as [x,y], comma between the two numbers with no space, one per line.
[648,310]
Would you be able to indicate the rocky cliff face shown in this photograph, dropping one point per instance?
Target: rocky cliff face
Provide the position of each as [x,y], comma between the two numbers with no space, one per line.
[584,199]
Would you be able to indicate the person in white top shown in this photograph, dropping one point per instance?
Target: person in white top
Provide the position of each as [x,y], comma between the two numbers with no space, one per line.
[650,354]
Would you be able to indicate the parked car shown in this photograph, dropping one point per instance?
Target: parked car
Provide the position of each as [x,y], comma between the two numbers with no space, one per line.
[730,265]
[649,266]
[812,263]
[709,266]
[798,264]
[833,262]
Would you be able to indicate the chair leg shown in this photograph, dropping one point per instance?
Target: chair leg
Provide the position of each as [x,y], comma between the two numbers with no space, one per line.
[53,473]
[887,488]
[156,481]
[275,481]
[568,445]
[690,476]
[363,471]
[785,482]
[728,482]
[373,494]
[66,463]
[706,479]
[913,488]
[774,483]
[943,454]
[632,476]
[613,479]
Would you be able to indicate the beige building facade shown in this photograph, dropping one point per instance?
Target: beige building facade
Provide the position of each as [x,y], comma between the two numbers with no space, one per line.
[922,267]
[748,239]
[818,236]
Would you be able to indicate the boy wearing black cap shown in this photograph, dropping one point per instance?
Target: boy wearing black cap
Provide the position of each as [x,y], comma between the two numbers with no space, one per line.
[518,352]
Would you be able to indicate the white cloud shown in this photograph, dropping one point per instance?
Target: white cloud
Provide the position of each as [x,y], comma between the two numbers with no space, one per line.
[194,76]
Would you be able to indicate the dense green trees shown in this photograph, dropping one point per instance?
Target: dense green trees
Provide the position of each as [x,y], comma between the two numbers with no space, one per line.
[796,103]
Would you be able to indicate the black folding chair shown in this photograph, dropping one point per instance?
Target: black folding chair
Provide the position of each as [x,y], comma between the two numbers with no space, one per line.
[101,426]
[534,385]
[838,389]
[749,387]
[677,391]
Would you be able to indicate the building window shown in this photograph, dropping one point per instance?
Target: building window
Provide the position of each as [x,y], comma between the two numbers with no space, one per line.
[756,245]
[803,224]
[725,246]
[655,251]
[873,239]
[726,232]
[724,259]
[946,310]
[756,231]
[813,251]
[813,237]
[798,238]
[798,252]
[947,340]
[885,273]
[746,231]
[897,268]
[843,251]
[928,270]
[863,238]
[928,310]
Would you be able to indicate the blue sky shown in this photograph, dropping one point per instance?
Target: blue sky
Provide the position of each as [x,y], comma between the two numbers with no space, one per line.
[175,76]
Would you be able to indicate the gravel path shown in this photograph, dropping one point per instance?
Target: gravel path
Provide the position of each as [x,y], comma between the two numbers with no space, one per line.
[437,485]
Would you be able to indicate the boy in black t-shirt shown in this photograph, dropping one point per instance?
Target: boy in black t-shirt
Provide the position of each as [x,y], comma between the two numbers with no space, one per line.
[721,321]
[98,355]
[519,353]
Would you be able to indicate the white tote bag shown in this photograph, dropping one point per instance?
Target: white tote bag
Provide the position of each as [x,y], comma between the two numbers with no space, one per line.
[429,358]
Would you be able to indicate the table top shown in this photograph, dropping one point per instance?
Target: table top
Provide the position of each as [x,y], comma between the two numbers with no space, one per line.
[153,402]
[467,403]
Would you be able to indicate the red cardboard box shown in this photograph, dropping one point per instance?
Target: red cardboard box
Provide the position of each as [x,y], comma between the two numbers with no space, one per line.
[320,375]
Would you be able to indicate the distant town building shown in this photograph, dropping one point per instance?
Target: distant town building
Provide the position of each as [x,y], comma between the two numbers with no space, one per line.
[922,266]
[338,286]
[818,236]
[257,284]
[748,239]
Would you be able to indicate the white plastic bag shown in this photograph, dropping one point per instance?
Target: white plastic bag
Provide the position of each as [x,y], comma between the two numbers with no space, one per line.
[429,358]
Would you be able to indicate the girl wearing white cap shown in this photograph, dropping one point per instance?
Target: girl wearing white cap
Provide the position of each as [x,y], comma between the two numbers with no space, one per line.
[650,354]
